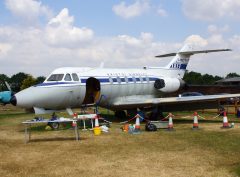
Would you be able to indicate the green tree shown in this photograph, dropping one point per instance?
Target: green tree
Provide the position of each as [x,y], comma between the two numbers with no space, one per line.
[40,79]
[208,79]
[199,79]
[193,78]
[16,81]
[217,78]
[3,78]
[230,75]
[28,82]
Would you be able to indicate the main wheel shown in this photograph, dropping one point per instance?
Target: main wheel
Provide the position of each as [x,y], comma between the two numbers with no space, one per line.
[54,125]
[120,114]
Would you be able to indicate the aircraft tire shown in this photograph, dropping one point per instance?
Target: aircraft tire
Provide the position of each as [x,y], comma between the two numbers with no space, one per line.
[120,114]
[150,127]
[54,125]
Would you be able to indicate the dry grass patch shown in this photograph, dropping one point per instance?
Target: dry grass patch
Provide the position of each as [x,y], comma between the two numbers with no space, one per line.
[210,151]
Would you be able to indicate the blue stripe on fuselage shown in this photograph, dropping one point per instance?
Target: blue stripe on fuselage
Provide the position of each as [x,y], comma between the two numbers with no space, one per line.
[83,81]
[103,80]
[53,83]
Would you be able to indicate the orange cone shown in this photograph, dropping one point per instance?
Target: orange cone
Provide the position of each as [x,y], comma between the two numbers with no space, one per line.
[225,120]
[96,129]
[137,124]
[195,120]
[125,127]
[170,122]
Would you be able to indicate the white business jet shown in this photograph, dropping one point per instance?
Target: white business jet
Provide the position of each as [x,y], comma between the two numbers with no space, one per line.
[119,90]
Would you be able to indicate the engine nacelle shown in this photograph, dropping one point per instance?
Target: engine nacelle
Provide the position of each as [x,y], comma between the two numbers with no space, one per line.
[169,85]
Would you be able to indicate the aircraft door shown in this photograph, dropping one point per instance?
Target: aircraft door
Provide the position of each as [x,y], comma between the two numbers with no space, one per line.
[93,89]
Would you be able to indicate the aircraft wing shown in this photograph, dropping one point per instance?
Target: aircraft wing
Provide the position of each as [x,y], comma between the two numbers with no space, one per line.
[176,103]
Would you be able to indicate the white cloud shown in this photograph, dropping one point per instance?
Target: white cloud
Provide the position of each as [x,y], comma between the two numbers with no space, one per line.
[162,12]
[196,40]
[28,10]
[4,49]
[62,19]
[216,39]
[210,10]
[213,29]
[60,31]
[131,11]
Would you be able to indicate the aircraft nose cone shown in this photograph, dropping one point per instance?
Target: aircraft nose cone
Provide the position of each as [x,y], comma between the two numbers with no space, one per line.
[13,100]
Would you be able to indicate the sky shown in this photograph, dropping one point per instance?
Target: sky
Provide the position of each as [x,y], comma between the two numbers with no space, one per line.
[38,36]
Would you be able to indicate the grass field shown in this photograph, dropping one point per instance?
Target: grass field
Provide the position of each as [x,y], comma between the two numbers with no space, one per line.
[211,151]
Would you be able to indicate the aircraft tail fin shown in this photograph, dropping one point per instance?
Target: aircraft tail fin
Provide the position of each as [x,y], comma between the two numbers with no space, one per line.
[181,58]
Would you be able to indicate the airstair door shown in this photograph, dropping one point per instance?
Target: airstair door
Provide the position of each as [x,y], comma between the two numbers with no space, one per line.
[93,89]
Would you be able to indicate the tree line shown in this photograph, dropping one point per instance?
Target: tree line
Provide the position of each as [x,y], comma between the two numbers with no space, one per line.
[194,78]
[19,81]
[22,80]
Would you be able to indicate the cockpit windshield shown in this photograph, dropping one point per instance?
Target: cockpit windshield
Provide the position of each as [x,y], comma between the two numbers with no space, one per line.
[55,77]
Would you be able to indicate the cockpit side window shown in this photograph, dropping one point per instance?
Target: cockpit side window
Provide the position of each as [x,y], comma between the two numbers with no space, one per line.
[55,77]
[67,77]
[75,77]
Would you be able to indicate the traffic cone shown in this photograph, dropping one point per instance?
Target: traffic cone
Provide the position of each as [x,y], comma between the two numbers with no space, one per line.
[195,121]
[74,123]
[137,124]
[75,115]
[225,120]
[170,122]
[96,129]
[96,121]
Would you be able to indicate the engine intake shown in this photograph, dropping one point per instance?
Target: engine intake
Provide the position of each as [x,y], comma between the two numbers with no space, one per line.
[159,83]
[168,85]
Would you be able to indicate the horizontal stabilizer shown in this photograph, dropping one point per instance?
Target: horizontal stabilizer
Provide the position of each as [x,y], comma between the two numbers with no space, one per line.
[167,55]
[193,52]
[203,51]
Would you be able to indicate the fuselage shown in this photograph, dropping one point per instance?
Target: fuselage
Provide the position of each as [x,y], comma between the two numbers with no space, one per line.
[72,87]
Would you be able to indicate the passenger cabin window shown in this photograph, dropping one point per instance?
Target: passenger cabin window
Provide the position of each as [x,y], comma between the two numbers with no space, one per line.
[126,79]
[147,79]
[130,79]
[67,77]
[141,79]
[75,77]
[134,79]
[110,80]
[55,77]
[119,80]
